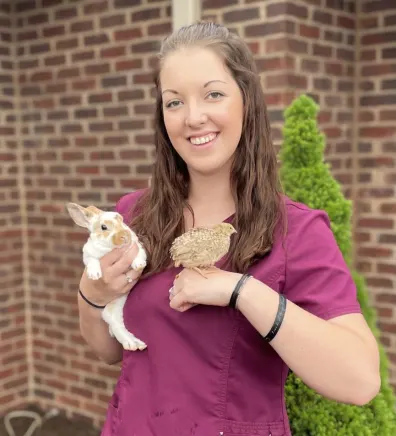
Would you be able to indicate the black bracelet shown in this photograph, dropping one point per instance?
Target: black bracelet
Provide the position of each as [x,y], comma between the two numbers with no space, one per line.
[89,302]
[237,290]
[278,319]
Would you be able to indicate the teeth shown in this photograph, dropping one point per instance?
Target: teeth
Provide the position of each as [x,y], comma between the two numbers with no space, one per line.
[203,139]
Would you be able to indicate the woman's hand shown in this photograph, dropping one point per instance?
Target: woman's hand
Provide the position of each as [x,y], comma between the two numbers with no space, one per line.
[191,288]
[117,276]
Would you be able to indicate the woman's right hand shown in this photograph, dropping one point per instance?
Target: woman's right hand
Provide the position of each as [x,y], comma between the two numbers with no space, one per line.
[116,268]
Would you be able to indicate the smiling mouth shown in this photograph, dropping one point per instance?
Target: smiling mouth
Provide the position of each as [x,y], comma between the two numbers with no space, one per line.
[203,140]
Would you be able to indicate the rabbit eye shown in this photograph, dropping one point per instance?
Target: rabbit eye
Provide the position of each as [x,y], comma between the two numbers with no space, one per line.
[104,227]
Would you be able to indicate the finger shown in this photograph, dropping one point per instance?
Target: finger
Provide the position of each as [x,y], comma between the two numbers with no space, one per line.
[123,264]
[179,302]
[113,256]
[122,284]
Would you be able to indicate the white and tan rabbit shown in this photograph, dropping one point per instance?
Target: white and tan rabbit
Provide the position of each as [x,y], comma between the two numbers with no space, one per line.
[107,231]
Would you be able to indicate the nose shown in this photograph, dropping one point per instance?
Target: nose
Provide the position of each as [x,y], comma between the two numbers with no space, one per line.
[125,236]
[195,116]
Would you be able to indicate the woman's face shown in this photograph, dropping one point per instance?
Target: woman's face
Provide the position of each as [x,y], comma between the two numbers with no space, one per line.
[203,109]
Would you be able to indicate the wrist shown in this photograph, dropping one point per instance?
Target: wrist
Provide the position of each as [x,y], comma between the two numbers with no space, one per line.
[89,298]
[238,285]
[252,290]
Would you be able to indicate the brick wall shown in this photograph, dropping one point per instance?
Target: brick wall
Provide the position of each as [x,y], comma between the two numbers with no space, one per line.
[83,71]
[13,361]
[83,96]
[376,254]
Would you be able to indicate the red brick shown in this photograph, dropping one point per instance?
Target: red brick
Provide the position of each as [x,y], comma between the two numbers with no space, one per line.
[276,63]
[145,14]
[368,22]
[112,21]
[159,29]
[49,32]
[380,69]
[287,8]
[378,38]
[82,26]
[309,31]
[377,132]
[113,52]
[128,64]
[65,13]
[240,15]
[346,22]
[389,20]
[322,17]
[27,35]
[96,7]
[377,6]
[270,28]
[102,68]
[84,84]
[39,18]
[217,4]
[127,34]
[101,38]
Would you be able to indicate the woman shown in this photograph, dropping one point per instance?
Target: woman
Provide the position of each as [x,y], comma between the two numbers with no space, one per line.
[211,367]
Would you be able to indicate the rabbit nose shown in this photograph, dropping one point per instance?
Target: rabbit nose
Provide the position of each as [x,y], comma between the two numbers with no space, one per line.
[125,237]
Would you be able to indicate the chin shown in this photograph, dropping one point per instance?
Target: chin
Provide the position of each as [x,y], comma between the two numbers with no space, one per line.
[210,166]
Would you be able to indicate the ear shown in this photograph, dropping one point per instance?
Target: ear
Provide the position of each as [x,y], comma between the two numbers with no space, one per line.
[82,216]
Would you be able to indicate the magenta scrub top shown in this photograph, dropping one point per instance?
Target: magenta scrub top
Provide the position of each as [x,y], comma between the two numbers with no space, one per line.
[207,371]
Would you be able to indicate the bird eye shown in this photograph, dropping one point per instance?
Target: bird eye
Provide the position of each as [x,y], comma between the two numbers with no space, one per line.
[104,227]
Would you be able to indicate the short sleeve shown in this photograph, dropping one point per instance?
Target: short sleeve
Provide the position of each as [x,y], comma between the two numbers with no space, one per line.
[316,276]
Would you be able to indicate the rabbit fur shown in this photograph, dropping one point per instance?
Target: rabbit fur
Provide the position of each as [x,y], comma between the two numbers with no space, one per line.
[107,230]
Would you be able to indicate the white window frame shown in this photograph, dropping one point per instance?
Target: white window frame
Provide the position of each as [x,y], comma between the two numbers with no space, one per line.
[185,12]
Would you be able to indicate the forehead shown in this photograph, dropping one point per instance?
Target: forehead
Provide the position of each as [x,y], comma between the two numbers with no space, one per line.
[107,216]
[192,66]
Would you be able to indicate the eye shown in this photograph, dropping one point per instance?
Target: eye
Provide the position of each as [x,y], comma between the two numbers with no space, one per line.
[173,103]
[215,95]
[104,227]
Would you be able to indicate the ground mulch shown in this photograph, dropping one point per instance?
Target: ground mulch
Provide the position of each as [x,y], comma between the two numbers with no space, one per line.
[56,426]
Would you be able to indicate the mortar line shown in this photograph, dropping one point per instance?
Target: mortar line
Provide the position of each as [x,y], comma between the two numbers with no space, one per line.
[23,213]
[355,136]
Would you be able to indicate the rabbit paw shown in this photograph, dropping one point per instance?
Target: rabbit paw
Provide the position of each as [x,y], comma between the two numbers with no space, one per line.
[138,264]
[127,340]
[94,271]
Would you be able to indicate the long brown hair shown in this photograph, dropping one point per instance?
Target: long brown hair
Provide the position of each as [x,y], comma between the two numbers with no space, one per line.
[158,215]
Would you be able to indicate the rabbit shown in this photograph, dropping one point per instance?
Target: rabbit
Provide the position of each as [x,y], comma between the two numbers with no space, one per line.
[107,231]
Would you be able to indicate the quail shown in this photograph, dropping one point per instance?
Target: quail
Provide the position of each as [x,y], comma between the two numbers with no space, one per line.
[201,247]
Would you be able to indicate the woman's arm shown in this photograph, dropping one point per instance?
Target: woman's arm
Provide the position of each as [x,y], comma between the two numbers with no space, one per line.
[95,331]
[338,358]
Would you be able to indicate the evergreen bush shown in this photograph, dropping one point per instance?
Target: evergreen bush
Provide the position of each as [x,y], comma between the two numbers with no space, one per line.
[306,178]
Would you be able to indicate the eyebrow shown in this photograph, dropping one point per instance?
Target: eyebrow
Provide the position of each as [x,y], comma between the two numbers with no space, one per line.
[206,84]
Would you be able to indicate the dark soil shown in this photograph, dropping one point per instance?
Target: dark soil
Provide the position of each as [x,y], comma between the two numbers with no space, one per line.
[55,426]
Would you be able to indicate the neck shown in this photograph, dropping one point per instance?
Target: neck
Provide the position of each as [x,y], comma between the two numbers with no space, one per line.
[212,192]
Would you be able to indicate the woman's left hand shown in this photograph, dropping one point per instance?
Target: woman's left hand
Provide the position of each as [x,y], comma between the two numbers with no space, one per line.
[191,288]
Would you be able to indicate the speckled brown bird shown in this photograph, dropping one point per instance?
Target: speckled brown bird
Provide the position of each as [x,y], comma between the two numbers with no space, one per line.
[201,247]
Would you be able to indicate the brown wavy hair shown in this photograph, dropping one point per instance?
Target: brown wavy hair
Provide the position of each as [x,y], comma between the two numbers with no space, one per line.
[158,214]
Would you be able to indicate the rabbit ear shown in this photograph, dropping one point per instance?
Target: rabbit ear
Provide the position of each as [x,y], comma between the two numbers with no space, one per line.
[82,216]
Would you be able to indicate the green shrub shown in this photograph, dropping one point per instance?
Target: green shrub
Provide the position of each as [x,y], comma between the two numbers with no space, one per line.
[306,178]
